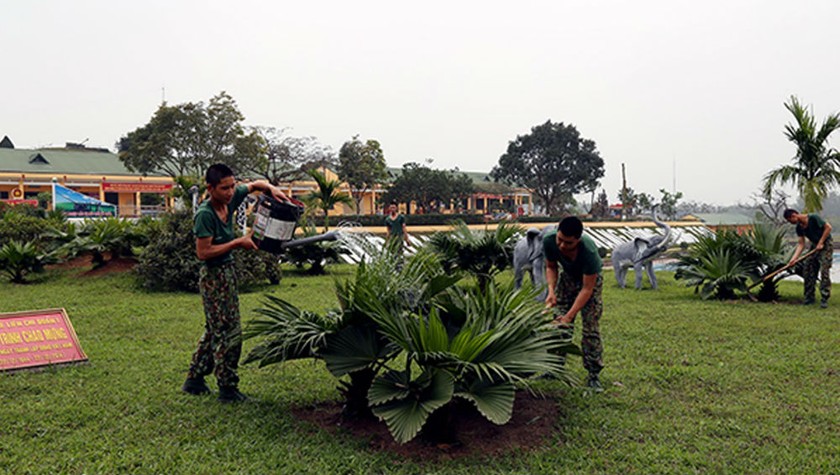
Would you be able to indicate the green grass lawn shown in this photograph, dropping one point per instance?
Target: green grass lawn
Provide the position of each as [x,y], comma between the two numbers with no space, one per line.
[692,387]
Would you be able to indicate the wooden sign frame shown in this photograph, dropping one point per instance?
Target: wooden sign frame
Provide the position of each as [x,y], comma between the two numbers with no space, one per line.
[37,338]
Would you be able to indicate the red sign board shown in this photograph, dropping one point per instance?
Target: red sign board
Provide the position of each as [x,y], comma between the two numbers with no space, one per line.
[136,187]
[21,202]
[37,338]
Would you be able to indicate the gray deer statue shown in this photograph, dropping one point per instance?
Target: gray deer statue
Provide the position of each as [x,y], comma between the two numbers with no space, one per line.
[639,254]
[528,256]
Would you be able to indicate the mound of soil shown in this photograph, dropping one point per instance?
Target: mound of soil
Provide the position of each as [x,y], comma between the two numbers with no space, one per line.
[533,426]
[120,264]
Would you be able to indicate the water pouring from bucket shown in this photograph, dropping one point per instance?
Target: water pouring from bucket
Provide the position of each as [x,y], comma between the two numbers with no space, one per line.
[275,223]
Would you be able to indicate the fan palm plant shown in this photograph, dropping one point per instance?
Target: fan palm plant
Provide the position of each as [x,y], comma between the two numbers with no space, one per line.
[328,195]
[479,253]
[477,346]
[816,166]
[348,340]
[17,259]
[773,252]
[114,236]
[412,343]
[721,264]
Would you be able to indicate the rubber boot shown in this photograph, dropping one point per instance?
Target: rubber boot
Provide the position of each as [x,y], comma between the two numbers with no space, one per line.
[594,383]
[195,386]
[230,394]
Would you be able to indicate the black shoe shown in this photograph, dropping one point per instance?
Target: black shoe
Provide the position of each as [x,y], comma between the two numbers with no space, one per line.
[229,394]
[195,386]
[809,302]
[824,304]
[594,383]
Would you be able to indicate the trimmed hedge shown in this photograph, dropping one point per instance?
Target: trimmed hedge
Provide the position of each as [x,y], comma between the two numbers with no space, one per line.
[441,219]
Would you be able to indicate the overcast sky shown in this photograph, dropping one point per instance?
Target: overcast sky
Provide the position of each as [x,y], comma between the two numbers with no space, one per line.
[665,86]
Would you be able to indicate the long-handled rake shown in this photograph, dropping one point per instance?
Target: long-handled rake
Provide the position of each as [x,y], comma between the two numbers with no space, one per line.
[780,270]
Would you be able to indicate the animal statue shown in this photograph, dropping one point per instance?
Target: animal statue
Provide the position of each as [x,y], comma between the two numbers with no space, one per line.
[528,257]
[639,254]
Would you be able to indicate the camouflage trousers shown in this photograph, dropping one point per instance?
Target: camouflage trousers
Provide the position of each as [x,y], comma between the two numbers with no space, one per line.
[819,264]
[566,292]
[221,344]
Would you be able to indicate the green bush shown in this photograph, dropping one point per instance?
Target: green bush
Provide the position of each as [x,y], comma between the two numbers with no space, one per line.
[718,266]
[23,209]
[21,227]
[317,255]
[454,346]
[479,253]
[17,259]
[169,263]
[98,237]
[411,220]
[255,267]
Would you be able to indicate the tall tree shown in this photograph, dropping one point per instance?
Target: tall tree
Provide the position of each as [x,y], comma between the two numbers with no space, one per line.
[769,206]
[816,166]
[554,161]
[668,203]
[288,158]
[601,206]
[183,140]
[629,201]
[327,195]
[362,166]
[645,201]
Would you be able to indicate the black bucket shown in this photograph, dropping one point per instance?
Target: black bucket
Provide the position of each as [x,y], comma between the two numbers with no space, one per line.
[275,222]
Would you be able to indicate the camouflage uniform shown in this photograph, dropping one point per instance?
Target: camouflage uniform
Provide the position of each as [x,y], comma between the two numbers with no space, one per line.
[819,263]
[221,344]
[569,285]
[567,290]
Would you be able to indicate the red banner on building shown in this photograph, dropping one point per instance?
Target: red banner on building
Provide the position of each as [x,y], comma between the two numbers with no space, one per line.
[38,338]
[21,202]
[116,187]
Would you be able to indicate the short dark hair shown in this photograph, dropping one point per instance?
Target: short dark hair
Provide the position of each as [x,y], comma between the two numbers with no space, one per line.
[392,203]
[571,226]
[217,173]
[790,212]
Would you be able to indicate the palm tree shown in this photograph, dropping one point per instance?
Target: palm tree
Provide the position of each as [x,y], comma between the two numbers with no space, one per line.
[816,167]
[328,194]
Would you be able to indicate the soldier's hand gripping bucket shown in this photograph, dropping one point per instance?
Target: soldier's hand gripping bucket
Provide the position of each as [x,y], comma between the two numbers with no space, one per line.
[275,222]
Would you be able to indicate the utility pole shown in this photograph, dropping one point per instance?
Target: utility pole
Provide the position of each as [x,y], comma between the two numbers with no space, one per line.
[623,192]
[674,175]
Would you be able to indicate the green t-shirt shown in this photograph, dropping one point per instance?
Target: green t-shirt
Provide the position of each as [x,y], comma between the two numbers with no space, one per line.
[395,226]
[587,262]
[814,230]
[207,224]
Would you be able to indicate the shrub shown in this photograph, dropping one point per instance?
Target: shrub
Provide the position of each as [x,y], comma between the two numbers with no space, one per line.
[479,253]
[17,259]
[169,263]
[24,209]
[316,255]
[21,227]
[114,236]
[474,345]
[718,266]
[255,267]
